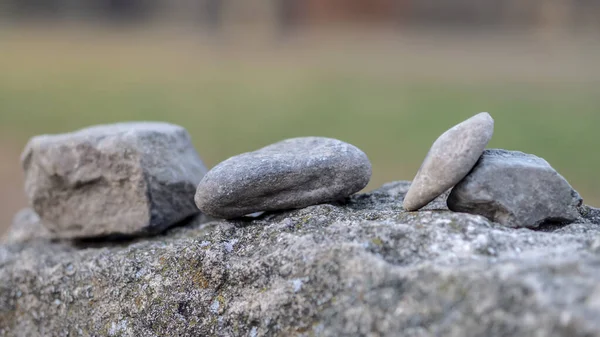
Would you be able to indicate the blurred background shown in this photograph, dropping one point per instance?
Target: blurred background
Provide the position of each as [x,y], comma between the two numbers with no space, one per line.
[388,76]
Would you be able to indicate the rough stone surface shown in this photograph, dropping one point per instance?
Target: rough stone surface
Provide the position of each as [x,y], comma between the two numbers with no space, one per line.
[365,268]
[293,173]
[449,160]
[516,190]
[124,179]
[26,226]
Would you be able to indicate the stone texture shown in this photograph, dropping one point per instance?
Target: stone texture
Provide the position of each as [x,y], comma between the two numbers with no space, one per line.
[449,160]
[26,226]
[516,190]
[120,179]
[293,173]
[365,268]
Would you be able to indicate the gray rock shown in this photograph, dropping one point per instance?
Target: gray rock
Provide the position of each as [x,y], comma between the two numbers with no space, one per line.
[365,268]
[120,179]
[26,226]
[449,160]
[516,190]
[293,173]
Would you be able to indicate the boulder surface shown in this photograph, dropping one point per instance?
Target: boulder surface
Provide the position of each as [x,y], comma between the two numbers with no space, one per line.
[117,179]
[363,268]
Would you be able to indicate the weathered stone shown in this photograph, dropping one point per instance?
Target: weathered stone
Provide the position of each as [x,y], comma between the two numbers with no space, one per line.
[516,190]
[26,226]
[293,173]
[364,268]
[120,179]
[450,159]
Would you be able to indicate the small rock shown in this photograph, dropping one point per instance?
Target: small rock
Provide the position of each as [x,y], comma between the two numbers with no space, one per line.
[26,226]
[293,173]
[119,179]
[450,159]
[516,190]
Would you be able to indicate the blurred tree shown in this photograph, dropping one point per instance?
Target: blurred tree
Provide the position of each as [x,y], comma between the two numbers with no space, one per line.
[125,10]
[547,16]
[288,14]
[37,8]
[212,13]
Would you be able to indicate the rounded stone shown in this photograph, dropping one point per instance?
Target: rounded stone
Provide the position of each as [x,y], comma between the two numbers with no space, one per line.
[515,189]
[449,160]
[293,173]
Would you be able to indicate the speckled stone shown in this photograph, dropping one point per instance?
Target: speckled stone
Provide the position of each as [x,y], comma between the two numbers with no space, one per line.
[362,268]
[449,160]
[516,190]
[290,174]
[119,179]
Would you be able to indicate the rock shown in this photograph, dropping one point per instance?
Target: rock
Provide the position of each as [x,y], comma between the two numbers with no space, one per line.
[26,226]
[515,189]
[120,179]
[449,160]
[364,268]
[293,173]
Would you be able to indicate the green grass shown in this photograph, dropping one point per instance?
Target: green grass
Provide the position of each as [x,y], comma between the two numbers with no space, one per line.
[232,107]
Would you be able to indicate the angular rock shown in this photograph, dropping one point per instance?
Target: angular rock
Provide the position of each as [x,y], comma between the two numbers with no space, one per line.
[293,173]
[26,226]
[365,268]
[515,189]
[449,160]
[120,179]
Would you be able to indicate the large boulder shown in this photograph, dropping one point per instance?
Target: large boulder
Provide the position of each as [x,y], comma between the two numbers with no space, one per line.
[118,179]
[364,268]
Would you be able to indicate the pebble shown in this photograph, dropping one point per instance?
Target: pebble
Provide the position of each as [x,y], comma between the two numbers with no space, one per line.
[515,189]
[449,160]
[116,179]
[290,174]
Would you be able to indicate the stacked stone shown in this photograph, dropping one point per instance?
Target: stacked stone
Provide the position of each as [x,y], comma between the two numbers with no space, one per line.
[508,187]
[137,179]
[134,179]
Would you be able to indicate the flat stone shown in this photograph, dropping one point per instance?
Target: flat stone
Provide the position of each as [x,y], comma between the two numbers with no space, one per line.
[120,179]
[449,160]
[290,174]
[516,190]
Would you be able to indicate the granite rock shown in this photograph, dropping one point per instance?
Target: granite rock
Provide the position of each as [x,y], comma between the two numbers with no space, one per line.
[290,174]
[120,179]
[516,190]
[449,160]
[362,268]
